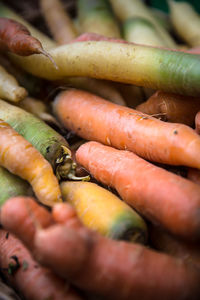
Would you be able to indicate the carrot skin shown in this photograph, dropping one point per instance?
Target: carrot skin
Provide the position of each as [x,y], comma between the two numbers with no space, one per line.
[32,280]
[171,107]
[22,159]
[114,269]
[125,128]
[148,193]
[14,37]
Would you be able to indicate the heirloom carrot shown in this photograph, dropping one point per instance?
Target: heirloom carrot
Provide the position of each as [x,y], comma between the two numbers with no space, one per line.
[101,210]
[9,87]
[45,139]
[29,278]
[171,107]
[97,16]
[22,159]
[15,38]
[161,196]
[12,185]
[113,269]
[94,118]
[58,21]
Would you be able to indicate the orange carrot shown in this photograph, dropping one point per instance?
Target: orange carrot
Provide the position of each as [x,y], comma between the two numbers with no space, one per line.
[197,123]
[171,107]
[15,38]
[161,196]
[167,243]
[22,159]
[27,276]
[94,118]
[116,270]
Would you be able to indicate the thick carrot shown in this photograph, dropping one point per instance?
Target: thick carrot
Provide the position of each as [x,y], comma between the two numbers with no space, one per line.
[27,276]
[9,87]
[15,38]
[46,140]
[116,270]
[22,159]
[12,185]
[171,107]
[97,16]
[58,21]
[101,210]
[167,243]
[125,128]
[148,193]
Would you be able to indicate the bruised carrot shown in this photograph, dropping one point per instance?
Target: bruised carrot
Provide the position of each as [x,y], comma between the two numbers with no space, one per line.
[168,244]
[22,159]
[171,107]
[11,185]
[46,140]
[27,276]
[146,187]
[15,38]
[104,212]
[58,21]
[125,128]
[9,87]
[101,265]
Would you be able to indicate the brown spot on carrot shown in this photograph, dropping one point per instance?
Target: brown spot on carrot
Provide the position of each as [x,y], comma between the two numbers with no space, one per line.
[79,128]
[7,235]
[175,132]
[13,267]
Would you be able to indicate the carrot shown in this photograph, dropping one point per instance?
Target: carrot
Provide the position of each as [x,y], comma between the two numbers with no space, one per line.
[125,128]
[148,193]
[104,212]
[185,21]
[12,185]
[171,107]
[58,21]
[141,31]
[137,8]
[97,16]
[168,244]
[6,292]
[22,159]
[197,122]
[27,276]
[15,38]
[9,87]
[116,270]
[46,140]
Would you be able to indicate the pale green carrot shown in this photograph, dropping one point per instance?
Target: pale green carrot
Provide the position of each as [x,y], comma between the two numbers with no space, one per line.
[96,16]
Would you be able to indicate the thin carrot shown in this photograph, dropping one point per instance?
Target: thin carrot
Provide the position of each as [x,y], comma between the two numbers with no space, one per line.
[15,38]
[9,87]
[58,21]
[27,276]
[113,269]
[148,193]
[171,107]
[22,159]
[45,139]
[125,128]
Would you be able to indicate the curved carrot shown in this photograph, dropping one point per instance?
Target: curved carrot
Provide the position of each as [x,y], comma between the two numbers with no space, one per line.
[116,270]
[22,159]
[171,107]
[27,276]
[15,38]
[161,196]
[94,118]
[45,139]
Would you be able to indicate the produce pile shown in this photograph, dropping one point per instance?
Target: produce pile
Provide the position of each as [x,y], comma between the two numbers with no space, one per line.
[99,150]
